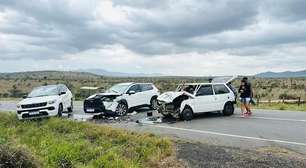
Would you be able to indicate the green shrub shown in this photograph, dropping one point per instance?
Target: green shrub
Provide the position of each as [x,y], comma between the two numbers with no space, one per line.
[58,142]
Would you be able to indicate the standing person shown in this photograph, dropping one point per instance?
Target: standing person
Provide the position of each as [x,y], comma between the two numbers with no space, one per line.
[245,97]
[250,94]
[241,90]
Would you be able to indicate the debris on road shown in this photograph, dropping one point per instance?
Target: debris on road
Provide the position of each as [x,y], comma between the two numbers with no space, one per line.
[156,120]
[133,113]
[149,120]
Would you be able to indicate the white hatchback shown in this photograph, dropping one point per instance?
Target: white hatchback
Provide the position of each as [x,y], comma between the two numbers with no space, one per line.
[191,98]
[44,101]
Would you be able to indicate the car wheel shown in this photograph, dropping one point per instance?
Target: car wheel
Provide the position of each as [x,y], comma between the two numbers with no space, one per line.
[121,109]
[60,110]
[70,109]
[228,109]
[187,114]
[154,103]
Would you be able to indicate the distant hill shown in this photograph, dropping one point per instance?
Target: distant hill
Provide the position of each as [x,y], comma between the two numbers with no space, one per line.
[49,75]
[104,72]
[285,74]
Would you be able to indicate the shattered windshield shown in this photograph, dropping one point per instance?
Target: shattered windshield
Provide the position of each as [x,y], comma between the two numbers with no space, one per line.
[187,88]
[119,88]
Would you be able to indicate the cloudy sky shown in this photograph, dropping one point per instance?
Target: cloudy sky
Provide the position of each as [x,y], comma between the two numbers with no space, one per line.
[174,37]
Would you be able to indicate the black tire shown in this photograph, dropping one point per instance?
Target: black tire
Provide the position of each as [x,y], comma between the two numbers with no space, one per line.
[187,114]
[60,110]
[70,109]
[228,109]
[121,109]
[154,103]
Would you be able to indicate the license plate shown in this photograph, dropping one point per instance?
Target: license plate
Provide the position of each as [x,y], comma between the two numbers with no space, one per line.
[90,110]
[34,113]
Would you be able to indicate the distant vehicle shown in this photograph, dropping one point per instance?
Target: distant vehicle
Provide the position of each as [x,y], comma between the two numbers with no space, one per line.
[191,98]
[45,101]
[121,98]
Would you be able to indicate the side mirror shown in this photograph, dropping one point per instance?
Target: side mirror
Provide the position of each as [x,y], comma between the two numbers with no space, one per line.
[62,93]
[131,92]
[24,96]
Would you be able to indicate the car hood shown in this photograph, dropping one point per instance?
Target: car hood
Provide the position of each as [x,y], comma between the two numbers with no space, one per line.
[168,97]
[32,100]
[100,95]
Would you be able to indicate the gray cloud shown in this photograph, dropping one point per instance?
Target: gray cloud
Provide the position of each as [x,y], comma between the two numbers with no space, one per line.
[54,29]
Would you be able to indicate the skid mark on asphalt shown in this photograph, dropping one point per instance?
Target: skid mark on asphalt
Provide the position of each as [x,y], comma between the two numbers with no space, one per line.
[231,135]
[276,119]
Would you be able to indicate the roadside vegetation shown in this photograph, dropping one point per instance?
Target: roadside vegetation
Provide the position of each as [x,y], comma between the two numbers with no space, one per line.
[62,143]
[281,106]
[14,86]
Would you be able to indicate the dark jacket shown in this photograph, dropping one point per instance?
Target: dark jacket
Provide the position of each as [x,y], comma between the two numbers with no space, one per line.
[245,91]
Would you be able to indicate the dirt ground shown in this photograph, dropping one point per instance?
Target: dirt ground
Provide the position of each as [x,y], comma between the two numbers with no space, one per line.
[203,155]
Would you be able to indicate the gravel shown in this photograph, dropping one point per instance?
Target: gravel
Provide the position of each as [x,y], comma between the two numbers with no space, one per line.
[204,155]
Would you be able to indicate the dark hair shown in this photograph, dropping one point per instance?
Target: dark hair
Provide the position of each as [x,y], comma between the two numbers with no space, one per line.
[245,78]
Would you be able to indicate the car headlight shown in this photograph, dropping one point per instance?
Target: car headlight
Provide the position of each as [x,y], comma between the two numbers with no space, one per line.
[18,105]
[51,101]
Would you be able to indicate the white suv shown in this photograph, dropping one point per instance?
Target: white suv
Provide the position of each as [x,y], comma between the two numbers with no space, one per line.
[122,98]
[44,101]
[191,98]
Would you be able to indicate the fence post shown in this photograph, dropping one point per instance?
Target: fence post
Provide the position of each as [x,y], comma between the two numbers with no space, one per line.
[299,101]
[257,101]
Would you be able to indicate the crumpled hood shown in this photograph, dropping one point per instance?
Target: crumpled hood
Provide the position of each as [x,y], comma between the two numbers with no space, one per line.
[32,100]
[168,97]
[108,94]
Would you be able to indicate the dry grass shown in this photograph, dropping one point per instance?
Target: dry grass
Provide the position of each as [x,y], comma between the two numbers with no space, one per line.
[57,142]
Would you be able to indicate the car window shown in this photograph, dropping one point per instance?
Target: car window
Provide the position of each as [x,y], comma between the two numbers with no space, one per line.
[146,87]
[205,90]
[48,90]
[135,88]
[62,88]
[220,89]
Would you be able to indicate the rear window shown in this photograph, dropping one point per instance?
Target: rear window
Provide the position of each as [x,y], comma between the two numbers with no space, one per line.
[220,89]
[146,87]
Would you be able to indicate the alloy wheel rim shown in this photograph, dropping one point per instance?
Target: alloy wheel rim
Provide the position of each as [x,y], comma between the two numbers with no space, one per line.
[121,109]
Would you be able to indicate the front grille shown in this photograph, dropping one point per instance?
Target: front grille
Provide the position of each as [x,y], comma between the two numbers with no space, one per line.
[95,104]
[34,105]
[37,109]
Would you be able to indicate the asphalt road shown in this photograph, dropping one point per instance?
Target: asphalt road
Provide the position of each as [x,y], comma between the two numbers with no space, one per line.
[266,128]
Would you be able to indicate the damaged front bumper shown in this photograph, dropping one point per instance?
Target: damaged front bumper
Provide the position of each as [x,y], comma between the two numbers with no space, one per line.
[168,109]
[97,106]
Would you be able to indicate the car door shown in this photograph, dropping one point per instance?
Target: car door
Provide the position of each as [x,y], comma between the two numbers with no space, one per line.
[222,95]
[65,97]
[146,93]
[204,100]
[135,98]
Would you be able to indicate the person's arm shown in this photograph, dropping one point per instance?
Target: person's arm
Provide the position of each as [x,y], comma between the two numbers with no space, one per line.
[240,88]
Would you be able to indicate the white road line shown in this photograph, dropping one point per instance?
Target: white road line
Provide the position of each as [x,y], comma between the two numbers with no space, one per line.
[231,135]
[277,119]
